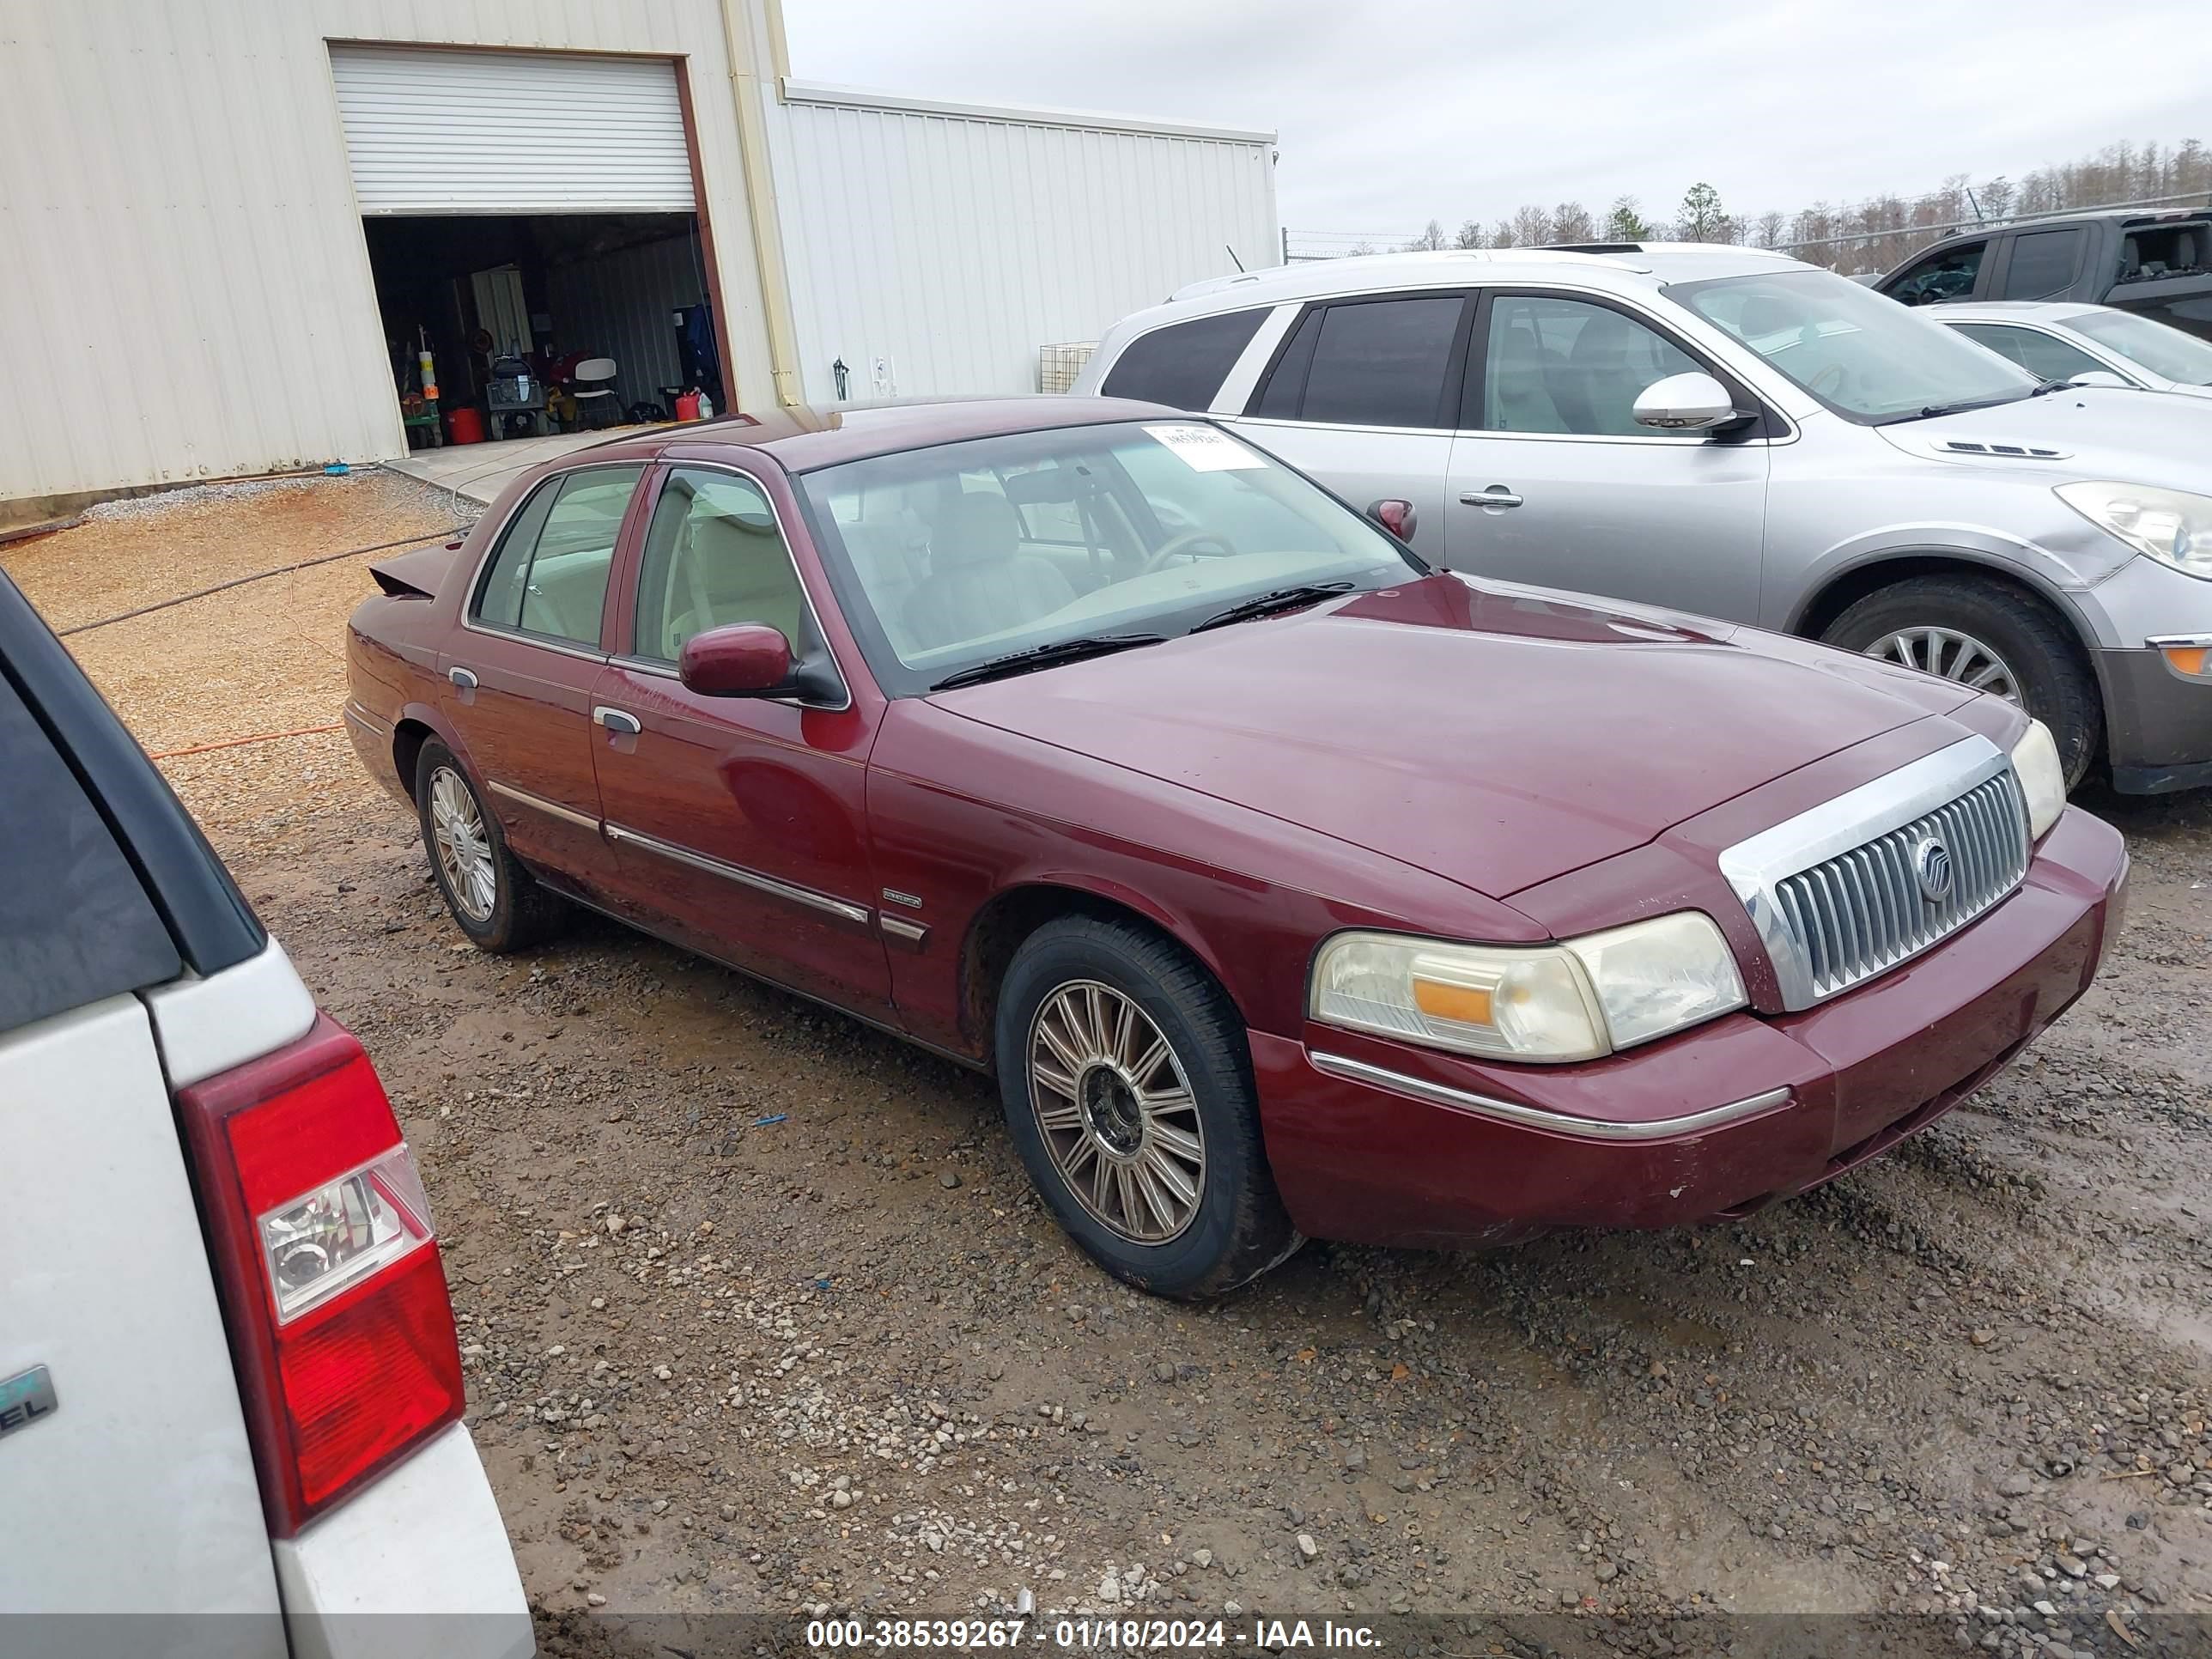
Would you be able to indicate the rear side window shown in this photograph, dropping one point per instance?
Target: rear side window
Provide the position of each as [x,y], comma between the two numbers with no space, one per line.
[1372,362]
[2042,264]
[76,924]
[550,576]
[2039,353]
[1183,364]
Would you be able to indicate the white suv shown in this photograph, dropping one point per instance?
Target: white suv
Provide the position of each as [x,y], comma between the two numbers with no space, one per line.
[1728,431]
[230,1393]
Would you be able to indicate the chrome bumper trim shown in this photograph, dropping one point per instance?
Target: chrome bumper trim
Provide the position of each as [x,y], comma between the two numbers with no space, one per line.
[361,717]
[743,878]
[1533,1117]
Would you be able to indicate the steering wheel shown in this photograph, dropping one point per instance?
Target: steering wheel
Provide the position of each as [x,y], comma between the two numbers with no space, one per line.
[1188,543]
[1828,381]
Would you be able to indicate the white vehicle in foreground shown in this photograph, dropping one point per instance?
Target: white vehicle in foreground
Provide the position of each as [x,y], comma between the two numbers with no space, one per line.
[2065,340]
[230,1391]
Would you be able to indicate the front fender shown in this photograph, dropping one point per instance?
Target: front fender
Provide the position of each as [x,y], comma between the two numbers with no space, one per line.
[2061,580]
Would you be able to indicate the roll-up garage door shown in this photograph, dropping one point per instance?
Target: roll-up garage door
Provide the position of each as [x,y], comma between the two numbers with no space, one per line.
[459,132]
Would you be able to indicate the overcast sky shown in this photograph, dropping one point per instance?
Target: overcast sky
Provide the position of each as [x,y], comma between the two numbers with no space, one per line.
[1395,111]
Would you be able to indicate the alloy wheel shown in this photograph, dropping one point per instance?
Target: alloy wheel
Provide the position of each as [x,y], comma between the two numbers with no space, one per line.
[464,845]
[1116,1113]
[1951,655]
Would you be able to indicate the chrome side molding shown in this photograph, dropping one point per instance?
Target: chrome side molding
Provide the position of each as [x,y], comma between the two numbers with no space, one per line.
[1535,1117]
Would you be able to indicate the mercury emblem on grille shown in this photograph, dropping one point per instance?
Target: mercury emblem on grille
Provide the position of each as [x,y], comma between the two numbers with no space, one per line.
[1931,864]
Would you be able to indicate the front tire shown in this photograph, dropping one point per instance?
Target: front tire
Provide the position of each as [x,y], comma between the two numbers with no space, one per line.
[499,904]
[1128,1089]
[1988,637]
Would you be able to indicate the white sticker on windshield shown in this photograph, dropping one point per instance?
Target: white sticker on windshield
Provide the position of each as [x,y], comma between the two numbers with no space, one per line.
[1205,449]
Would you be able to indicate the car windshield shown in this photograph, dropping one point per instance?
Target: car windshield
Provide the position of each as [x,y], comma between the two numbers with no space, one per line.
[2158,347]
[954,556]
[1861,354]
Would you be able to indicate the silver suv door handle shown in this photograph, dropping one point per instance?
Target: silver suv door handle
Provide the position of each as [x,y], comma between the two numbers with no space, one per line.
[1496,496]
[462,678]
[618,720]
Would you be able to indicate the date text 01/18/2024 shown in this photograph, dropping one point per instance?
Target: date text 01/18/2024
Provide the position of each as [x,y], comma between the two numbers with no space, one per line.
[1084,1635]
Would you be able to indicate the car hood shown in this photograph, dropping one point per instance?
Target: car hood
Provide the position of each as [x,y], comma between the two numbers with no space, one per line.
[1497,736]
[2091,431]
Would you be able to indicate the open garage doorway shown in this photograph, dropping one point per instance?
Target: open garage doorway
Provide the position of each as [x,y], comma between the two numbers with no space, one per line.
[534,225]
[512,308]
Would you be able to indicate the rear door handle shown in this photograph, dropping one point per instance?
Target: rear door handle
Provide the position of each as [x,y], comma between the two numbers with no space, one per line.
[1496,496]
[462,678]
[618,720]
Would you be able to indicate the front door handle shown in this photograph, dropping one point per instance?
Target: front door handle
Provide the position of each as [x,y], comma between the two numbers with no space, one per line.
[1496,496]
[618,720]
[462,678]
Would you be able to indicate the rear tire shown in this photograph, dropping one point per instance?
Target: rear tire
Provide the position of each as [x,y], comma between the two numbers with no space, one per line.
[1129,1092]
[500,905]
[2035,651]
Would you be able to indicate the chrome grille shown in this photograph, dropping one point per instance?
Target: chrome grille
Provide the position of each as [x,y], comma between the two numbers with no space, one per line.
[1854,887]
[1864,911]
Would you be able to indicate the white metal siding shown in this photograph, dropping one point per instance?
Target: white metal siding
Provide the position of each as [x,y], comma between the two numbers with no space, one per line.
[952,243]
[510,132]
[184,288]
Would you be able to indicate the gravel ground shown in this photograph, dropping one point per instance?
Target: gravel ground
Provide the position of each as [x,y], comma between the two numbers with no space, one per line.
[759,1314]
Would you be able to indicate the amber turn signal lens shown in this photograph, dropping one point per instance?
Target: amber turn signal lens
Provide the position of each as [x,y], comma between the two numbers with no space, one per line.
[1466,1003]
[2190,659]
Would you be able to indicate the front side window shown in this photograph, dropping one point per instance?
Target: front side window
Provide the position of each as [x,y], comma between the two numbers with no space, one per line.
[1862,355]
[715,555]
[2162,349]
[2044,355]
[1370,362]
[549,575]
[1948,273]
[1559,365]
[950,557]
[1183,364]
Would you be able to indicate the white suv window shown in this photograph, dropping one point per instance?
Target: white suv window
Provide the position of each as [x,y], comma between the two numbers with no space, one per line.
[1552,364]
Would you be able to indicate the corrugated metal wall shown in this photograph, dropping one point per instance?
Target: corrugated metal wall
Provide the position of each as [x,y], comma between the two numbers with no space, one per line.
[618,304]
[949,243]
[184,289]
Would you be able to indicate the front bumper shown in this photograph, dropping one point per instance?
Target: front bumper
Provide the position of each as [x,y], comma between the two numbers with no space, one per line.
[2158,724]
[1716,1120]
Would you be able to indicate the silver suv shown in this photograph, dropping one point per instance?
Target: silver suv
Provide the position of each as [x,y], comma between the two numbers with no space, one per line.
[1730,432]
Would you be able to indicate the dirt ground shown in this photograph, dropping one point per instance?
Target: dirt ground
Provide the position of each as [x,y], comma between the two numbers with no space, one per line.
[760,1315]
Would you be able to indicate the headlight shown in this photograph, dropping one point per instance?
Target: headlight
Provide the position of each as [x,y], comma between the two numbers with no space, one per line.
[1555,1002]
[2042,778]
[2171,526]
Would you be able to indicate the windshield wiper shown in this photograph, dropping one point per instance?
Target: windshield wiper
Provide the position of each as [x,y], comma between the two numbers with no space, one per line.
[2054,386]
[1282,598]
[1959,408]
[1044,656]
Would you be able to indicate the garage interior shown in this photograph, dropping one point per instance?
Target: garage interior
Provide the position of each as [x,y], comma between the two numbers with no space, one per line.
[509,305]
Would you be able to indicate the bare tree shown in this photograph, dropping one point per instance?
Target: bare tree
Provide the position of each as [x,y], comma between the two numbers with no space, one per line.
[1501,234]
[1571,223]
[1430,238]
[1769,230]
[1532,227]
[1470,234]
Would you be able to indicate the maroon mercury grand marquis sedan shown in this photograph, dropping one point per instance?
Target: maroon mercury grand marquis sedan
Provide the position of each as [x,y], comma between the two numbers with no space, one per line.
[1287,886]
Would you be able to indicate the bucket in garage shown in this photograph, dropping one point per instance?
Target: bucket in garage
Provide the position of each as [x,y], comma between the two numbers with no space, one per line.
[464,426]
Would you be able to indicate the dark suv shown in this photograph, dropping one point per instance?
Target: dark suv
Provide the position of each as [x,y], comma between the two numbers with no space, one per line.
[2159,265]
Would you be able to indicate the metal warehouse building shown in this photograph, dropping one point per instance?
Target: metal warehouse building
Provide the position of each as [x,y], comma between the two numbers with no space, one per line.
[229,229]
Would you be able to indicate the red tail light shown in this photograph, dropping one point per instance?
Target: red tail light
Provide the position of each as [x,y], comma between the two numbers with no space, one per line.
[328,1266]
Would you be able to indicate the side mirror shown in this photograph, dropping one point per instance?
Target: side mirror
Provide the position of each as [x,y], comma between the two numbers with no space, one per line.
[1396,516]
[745,659]
[2097,377]
[1685,403]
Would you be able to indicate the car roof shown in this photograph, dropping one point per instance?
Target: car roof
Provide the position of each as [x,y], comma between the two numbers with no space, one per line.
[803,438]
[2018,311]
[1626,267]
